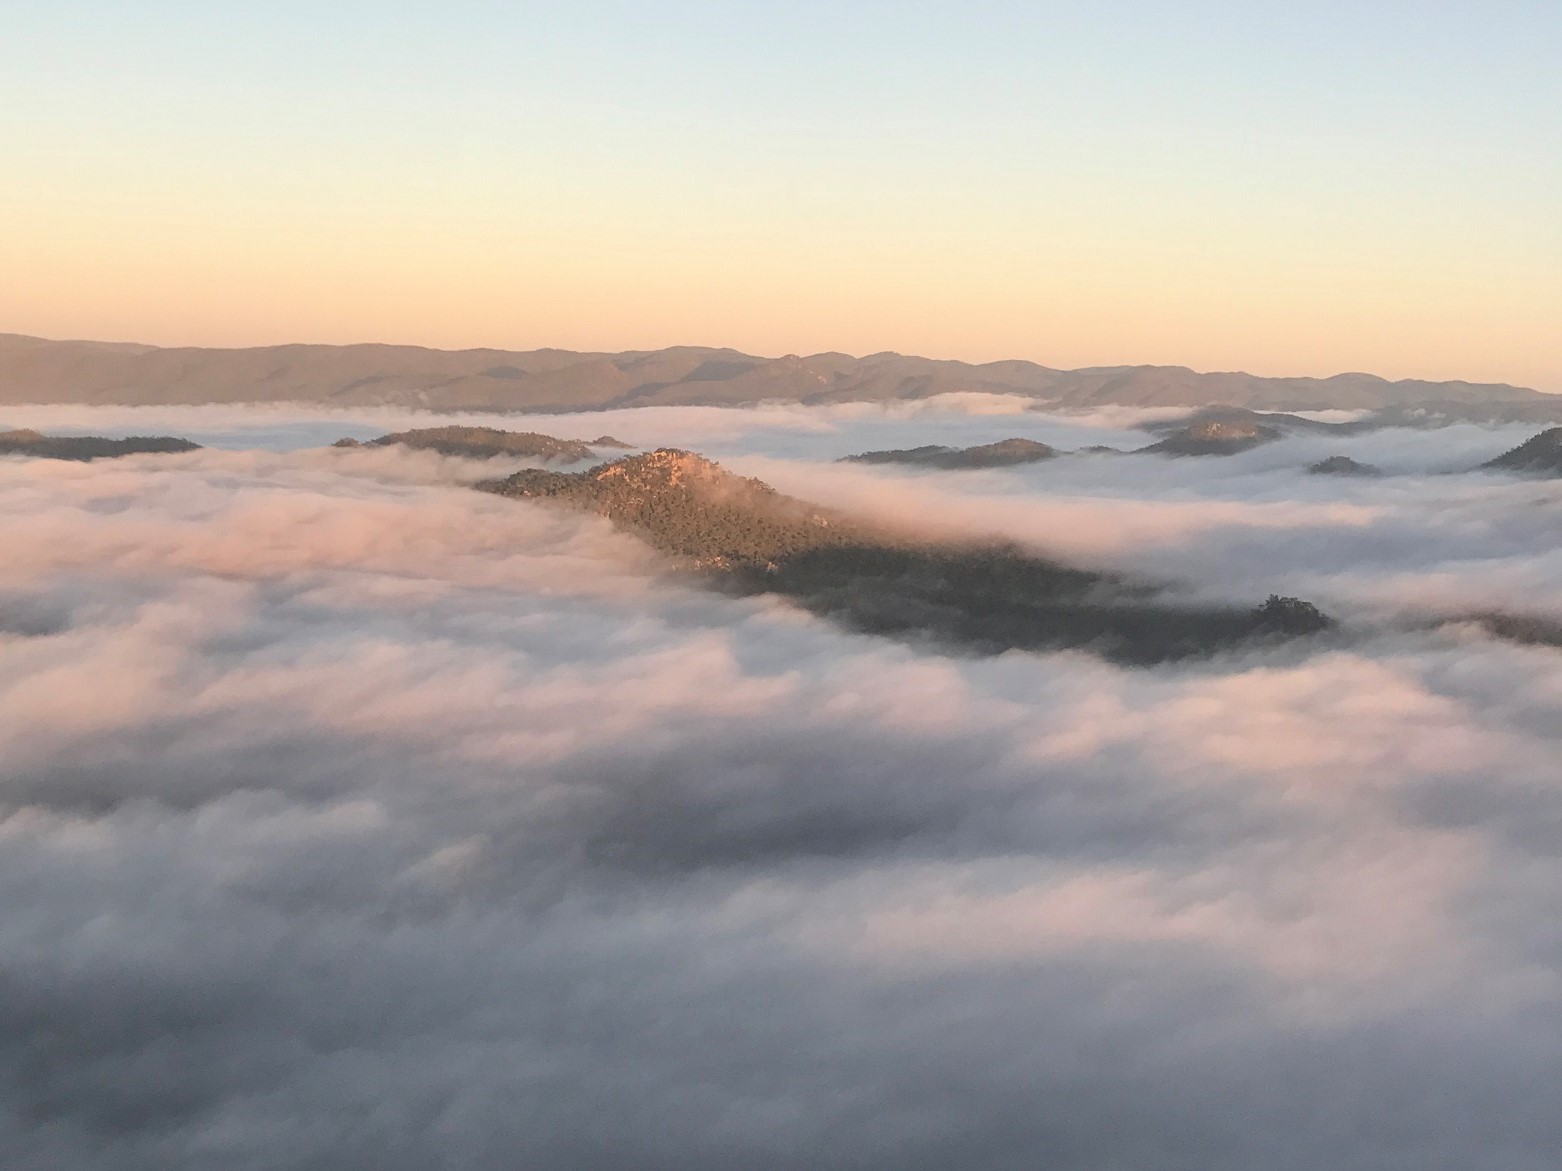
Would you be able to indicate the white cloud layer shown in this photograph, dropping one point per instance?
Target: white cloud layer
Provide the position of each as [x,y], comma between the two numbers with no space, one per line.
[353,819]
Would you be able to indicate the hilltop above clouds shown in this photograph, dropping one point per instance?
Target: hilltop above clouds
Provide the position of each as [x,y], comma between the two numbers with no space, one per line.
[36,370]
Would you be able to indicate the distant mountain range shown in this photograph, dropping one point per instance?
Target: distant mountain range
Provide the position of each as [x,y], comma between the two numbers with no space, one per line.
[35,370]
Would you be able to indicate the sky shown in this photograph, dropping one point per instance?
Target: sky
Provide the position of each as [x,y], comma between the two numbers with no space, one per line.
[1286,189]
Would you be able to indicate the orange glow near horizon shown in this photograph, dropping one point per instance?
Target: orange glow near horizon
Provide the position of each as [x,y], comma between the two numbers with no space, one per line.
[962,196]
[1060,305]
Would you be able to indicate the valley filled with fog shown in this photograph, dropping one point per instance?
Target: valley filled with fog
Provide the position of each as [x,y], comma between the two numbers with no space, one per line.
[354,818]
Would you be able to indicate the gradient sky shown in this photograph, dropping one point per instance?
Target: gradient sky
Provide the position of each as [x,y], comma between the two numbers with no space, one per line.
[1284,188]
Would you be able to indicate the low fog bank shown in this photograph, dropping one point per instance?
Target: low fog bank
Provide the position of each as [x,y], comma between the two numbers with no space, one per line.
[354,819]
[782,430]
[1432,537]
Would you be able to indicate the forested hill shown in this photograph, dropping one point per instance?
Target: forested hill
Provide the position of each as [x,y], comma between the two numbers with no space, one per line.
[689,507]
[89,447]
[986,597]
[1540,455]
[1002,454]
[488,442]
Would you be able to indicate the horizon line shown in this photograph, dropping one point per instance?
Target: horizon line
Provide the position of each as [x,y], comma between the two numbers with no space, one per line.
[84,341]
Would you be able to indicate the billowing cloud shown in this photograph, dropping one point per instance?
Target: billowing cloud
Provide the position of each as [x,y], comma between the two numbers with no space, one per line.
[354,819]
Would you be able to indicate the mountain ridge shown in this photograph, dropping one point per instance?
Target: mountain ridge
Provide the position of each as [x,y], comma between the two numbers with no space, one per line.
[980,594]
[41,370]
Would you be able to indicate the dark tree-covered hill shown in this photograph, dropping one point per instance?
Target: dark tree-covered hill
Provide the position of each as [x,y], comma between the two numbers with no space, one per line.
[1343,465]
[1004,453]
[987,597]
[1538,456]
[86,447]
[487,442]
[1214,437]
